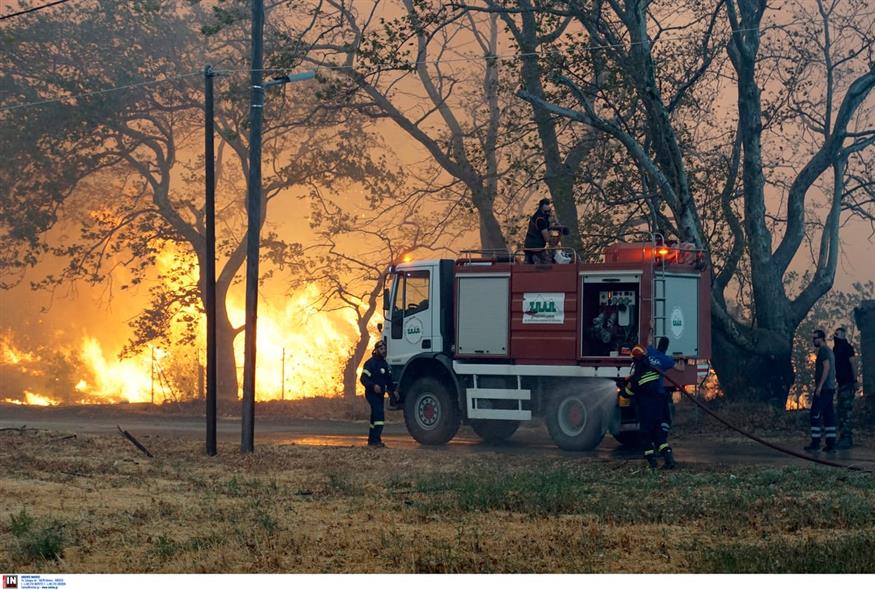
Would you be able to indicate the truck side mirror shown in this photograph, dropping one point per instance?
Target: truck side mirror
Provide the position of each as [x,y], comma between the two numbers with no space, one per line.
[380,327]
[385,302]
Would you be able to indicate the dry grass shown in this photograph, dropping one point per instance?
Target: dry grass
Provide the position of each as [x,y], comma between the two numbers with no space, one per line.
[335,509]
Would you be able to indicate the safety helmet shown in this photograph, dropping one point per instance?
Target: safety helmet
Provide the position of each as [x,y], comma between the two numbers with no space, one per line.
[638,351]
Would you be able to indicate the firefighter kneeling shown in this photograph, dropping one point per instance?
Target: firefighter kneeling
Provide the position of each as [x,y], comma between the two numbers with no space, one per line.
[645,387]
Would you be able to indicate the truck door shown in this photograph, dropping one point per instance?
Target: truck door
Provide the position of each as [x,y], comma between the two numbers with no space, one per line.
[412,312]
[677,312]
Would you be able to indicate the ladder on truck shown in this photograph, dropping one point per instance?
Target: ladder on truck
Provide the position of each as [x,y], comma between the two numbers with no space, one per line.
[658,296]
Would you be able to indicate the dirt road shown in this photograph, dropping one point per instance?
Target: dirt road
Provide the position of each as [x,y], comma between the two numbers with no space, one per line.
[722,447]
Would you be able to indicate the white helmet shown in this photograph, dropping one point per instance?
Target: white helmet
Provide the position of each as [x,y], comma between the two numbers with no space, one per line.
[561,257]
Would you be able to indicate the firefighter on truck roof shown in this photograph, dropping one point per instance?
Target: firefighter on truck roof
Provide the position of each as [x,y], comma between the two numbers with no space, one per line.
[645,387]
[377,379]
[538,235]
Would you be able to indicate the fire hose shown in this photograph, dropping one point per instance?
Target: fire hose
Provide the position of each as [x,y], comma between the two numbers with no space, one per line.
[754,437]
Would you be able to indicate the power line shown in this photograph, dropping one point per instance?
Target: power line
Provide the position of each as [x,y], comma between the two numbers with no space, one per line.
[96,92]
[323,67]
[33,9]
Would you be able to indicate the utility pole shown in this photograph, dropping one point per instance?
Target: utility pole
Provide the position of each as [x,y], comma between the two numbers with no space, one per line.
[152,381]
[283,377]
[253,201]
[254,214]
[210,256]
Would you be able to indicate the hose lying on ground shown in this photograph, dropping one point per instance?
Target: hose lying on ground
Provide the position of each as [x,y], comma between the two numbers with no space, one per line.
[778,448]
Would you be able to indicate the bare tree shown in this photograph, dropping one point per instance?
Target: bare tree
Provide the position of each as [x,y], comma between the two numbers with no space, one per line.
[752,355]
[412,70]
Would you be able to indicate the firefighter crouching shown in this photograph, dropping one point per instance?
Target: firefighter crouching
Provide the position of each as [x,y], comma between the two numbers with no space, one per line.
[377,379]
[645,387]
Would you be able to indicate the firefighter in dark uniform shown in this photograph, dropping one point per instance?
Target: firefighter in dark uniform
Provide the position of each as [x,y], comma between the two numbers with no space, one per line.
[538,235]
[377,379]
[645,387]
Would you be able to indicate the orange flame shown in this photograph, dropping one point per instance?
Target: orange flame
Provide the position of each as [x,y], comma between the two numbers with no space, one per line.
[301,352]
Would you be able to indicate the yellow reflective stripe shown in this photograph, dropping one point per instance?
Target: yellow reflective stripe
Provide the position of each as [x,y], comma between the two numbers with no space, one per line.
[366,372]
[663,446]
[378,423]
[648,452]
[647,379]
[629,392]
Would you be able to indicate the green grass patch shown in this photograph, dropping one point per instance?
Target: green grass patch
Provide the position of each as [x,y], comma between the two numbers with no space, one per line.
[37,539]
[20,523]
[784,499]
[848,553]
[45,542]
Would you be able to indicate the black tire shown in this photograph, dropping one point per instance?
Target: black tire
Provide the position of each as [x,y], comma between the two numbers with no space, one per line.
[495,430]
[431,413]
[572,423]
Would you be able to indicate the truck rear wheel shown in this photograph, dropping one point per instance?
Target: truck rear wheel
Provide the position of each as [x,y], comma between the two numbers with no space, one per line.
[572,423]
[430,412]
[495,430]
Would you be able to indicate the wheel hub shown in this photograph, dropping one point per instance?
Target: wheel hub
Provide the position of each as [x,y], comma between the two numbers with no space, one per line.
[572,416]
[428,412]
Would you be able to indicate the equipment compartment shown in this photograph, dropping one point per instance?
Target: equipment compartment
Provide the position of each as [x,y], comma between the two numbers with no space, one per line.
[611,314]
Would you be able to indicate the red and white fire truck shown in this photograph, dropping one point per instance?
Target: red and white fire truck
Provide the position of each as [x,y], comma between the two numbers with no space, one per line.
[493,342]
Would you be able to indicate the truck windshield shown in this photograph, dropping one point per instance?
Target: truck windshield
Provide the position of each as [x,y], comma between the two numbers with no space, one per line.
[410,293]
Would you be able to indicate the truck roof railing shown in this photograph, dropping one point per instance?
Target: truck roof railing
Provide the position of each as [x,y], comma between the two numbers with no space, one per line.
[486,254]
[494,255]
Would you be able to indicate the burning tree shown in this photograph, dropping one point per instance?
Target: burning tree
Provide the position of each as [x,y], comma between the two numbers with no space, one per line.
[120,156]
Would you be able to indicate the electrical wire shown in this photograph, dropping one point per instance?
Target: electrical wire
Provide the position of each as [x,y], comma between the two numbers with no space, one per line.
[318,68]
[33,9]
[323,67]
[97,92]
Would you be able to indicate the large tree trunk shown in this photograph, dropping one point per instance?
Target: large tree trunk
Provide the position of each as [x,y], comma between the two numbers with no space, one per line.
[751,375]
[350,383]
[491,237]
[864,316]
[226,364]
[559,175]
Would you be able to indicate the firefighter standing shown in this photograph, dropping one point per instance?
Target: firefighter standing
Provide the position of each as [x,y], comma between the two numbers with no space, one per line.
[538,235]
[644,386]
[822,416]
[846,377]
[377,379]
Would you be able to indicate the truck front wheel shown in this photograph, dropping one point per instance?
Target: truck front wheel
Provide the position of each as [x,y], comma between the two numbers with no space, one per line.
[494,430]
[572,423]
[430,412]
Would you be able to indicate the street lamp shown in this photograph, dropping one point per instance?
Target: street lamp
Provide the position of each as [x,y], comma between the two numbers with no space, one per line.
[309,75]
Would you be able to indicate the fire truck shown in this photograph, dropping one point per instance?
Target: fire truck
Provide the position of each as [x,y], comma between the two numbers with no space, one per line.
[488,340]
